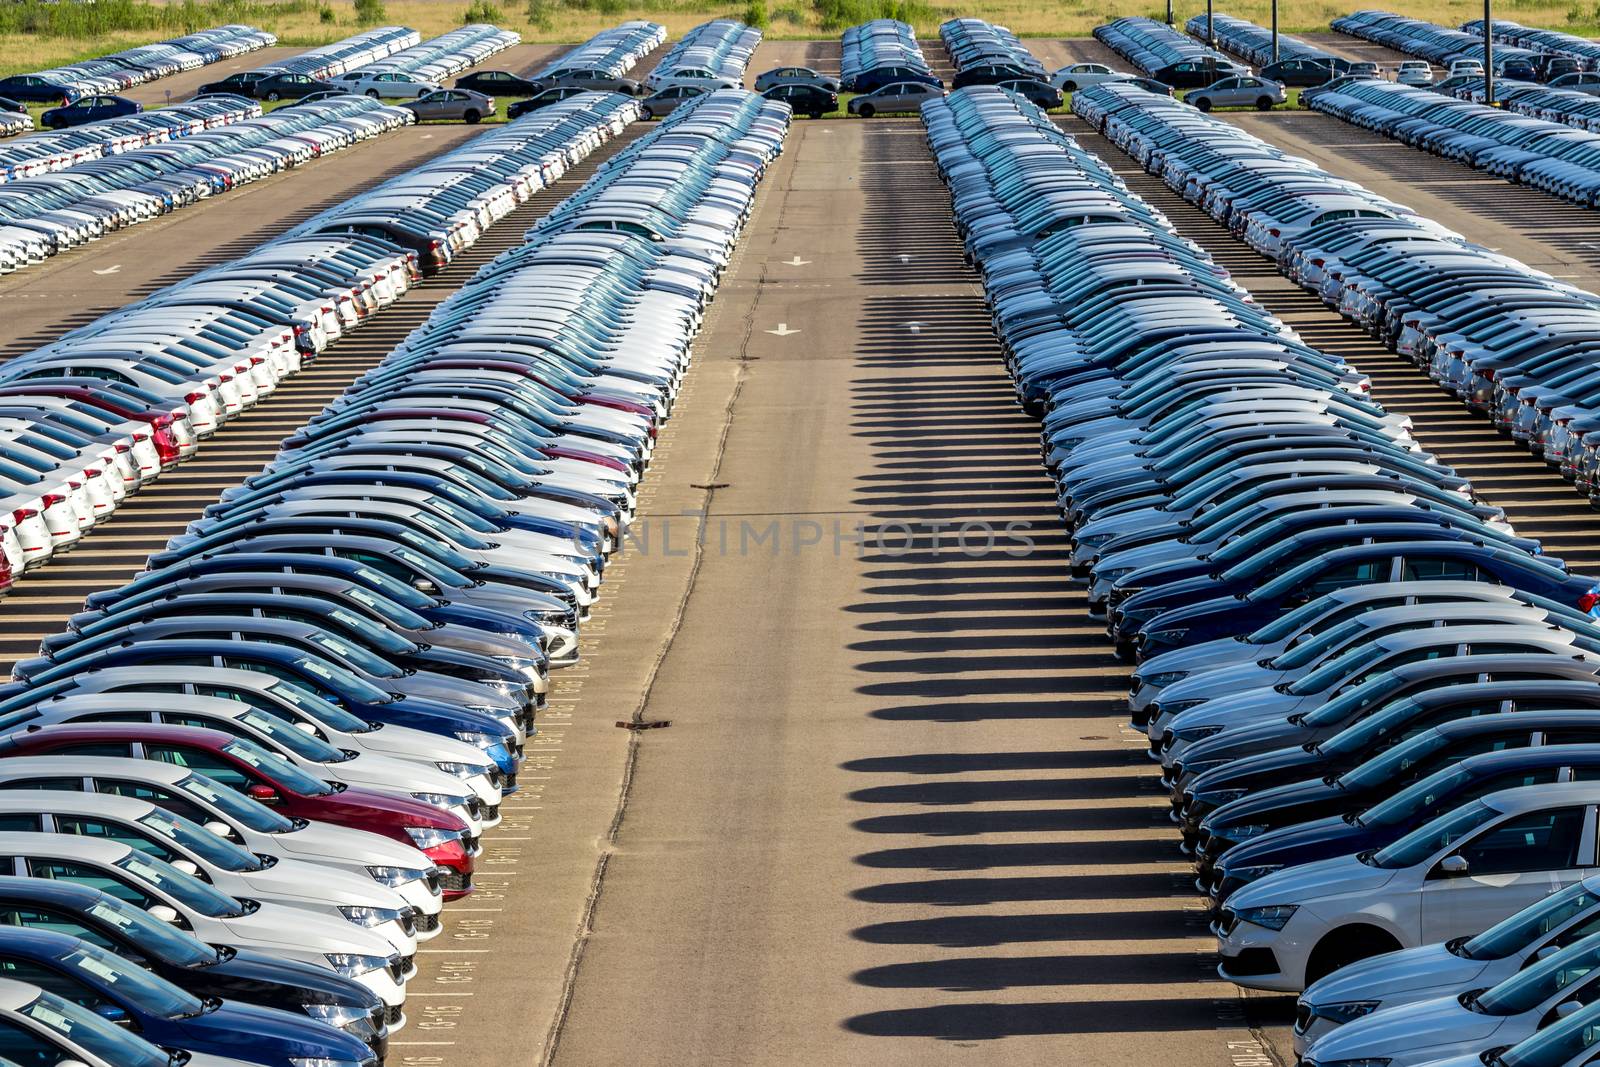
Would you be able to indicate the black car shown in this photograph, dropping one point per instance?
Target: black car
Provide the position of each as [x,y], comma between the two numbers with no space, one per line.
[542,98]
[1193,73]
[8,104]
[1150,85]
[1035,92]
[811,100]
[498,83]
[290,87]
[240,84]
[1300,73]
[988,74]
[872,80]
[35,90]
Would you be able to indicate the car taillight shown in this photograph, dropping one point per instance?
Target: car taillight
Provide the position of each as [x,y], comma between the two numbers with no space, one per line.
[1488,375]
[22,515]
[188,398]
[50,500]
[123,449]
[1588,600]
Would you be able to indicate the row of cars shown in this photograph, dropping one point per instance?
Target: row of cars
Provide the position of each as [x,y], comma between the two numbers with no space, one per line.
[318,64]
[1374,704]
[49,152]
[188,358]
[882,52]
[1553,42]
[1166,55]
[1442,46]
[712,55]
[986,54]
[469,489]
[134,66]
[239,789]
[44,214]
[1560,158]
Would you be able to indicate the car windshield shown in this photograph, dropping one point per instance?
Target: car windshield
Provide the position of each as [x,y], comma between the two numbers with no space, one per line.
[329,714]
[394,588]
[1350,703]
[1350,664]
[1407,804]
[1428,840]
[1547,978]
[86,1029]
[1560,1042]
[200,841]
[278,768]
[1283,626]
[1363,735]
[1308,651]
[151,936]
[1517,932]
[295,740]
[188,889]
[345,652]
[1395,763]
[343,682]
[157,996]
[388,610]
[240,809]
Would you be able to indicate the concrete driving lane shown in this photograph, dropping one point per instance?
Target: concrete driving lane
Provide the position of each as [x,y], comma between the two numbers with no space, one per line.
[895,816]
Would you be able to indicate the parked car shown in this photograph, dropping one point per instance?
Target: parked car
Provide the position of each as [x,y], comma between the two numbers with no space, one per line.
[88,109]
[806,99]
[1258,93]
[498,83]
[669,100]
[461,105]
[899,98]
[795,76]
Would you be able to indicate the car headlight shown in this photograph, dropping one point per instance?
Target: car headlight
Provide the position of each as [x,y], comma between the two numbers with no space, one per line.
[394,877]
[476,738]
[340,1015]
[1223,796]
[366,915]
[1164,708]
[1243,833]
[321,1061]
[1345,1011]
[1270,916]
[431,836]
[1251,874]
[352,965]
[1168,637]
[1192,734]
[440,800]
[462,770]
[1164,679]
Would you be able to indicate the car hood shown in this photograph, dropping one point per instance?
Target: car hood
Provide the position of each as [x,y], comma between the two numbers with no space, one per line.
[271,928]
[1219,653]
[247,1029]
[319,986]
[1287,843]
[299,883]
[1310,883]
[1242,740]
[1250,706]
[1239,812]
[1221,680]
[1425,1029]
[347,845]
[1408,974]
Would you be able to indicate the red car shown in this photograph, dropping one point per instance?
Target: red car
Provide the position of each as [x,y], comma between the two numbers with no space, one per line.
[234,762]
[169,430]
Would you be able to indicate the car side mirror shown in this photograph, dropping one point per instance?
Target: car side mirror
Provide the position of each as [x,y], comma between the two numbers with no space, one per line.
[1454,866]
[264,793]
[115,1013]
[1545,953]
[221,829]
[425,586]
[186,866]
[165,912]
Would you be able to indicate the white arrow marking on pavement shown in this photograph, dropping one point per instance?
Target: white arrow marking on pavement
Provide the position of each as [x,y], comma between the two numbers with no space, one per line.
[782,330]
[914,327]
[111,269]
[796,262]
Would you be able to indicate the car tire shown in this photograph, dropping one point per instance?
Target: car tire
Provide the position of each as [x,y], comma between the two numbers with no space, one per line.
[815,114]
[866,111]
[1264,104]
[1069,87]
[646,114]
[472,116]
[274,96]
[1202,104]
[373,93]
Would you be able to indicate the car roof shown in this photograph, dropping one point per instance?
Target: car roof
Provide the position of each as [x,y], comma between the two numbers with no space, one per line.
[70,846]
[74,803]
[1533,797]
[96,766]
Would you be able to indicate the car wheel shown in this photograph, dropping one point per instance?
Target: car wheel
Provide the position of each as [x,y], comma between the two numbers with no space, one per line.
[1202,104]
[373,93]
[1069,87]
[274,95]
[472,116]
[647,114]
[1264,104]
[1347,945]
[866,111]
[816,114]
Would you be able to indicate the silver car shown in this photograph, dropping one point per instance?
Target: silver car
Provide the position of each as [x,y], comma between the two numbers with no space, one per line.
[668,100]
[462,105]
[1259,93]
[901,97]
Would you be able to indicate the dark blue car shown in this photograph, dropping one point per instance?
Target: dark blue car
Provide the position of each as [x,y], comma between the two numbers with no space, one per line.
[164,1014]
[1377,826]
[206,971]
[1243,611]
[35,89]
[89,109]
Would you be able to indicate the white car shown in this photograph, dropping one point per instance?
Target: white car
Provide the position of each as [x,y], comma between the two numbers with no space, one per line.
[1466,66]
[386,85]
[1457,874]
[1570,1042]
[1414,72]
[72,1036]
[1472,1022]
[1077,76]
[1448,968]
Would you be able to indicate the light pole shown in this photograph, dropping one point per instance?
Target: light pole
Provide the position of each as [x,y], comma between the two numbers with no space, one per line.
[1488,53]
[1275,29]
[1211,38]
[1169,12]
